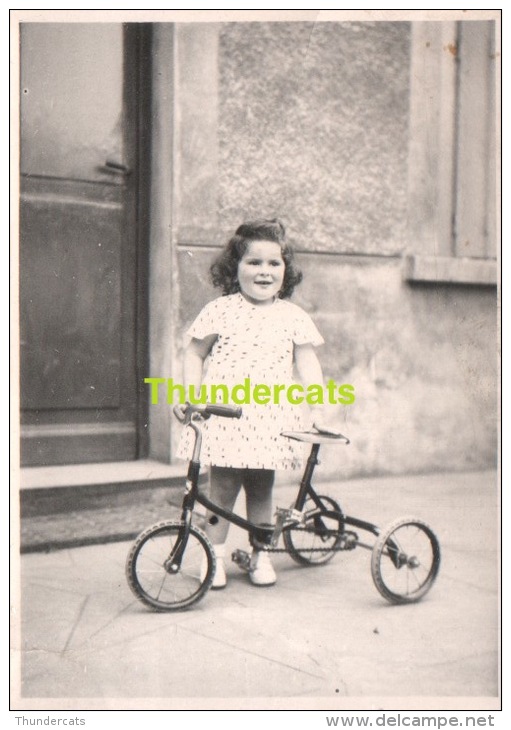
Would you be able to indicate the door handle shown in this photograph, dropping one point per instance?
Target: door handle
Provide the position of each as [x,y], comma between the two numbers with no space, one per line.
[115,168]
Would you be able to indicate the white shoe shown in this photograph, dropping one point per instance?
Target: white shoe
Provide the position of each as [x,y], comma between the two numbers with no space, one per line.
[220,577]
[262,573]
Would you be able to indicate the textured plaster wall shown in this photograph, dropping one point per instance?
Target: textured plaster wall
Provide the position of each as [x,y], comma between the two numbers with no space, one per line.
[422,360]
[313,128]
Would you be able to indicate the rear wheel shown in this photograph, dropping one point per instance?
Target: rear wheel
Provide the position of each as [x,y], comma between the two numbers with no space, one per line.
[156,581]
[405,560]
[315,541]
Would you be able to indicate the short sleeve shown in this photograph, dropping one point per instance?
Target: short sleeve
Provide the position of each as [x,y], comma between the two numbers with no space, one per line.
[206,323]
[305,331]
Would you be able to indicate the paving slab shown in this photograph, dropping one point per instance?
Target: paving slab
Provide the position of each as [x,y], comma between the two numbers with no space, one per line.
[321,634]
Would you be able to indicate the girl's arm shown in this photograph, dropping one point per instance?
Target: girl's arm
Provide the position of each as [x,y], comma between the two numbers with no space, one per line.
[310,372]
[308,365]
[195,354]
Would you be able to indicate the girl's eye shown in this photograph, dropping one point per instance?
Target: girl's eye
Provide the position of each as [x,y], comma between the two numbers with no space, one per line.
[259,262]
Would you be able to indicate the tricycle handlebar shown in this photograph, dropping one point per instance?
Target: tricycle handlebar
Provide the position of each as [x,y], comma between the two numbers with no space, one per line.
[209,409]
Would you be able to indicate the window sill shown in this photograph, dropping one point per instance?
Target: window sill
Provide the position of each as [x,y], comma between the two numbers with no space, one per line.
[450,270]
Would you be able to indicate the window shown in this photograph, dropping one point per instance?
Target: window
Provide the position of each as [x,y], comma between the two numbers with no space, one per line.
[453,153]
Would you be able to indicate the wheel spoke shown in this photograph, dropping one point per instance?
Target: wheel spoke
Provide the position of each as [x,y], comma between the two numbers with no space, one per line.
[161,586]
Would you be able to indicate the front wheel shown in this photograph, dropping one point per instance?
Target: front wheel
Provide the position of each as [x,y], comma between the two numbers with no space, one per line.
[405,560]
[315,541]
[154,578]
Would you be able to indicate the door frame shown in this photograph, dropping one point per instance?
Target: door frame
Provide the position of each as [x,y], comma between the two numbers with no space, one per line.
[137,98]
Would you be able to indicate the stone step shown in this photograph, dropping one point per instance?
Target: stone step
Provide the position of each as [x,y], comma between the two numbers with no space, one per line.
[59,489]
[82,504]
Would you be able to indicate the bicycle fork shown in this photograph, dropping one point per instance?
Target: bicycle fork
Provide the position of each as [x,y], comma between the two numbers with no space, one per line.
[173,563]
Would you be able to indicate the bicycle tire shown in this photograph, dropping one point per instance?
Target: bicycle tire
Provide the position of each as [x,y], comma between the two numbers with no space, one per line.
[405,560]
[155,586]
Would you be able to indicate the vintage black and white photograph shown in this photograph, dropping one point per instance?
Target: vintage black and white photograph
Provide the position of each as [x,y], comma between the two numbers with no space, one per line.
[258,265]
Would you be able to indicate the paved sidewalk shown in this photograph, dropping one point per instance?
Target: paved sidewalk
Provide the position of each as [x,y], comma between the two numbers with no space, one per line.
[321,638]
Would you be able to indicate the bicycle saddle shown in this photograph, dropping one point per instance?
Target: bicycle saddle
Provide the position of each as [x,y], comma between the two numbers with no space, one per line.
[317,437]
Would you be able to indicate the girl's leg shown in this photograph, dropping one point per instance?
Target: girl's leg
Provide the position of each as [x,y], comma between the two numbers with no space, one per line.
[225,484]
[258,485]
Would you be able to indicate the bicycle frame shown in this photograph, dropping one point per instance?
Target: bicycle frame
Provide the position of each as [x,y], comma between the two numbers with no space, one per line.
[264,535]
[164,574]
[307,490]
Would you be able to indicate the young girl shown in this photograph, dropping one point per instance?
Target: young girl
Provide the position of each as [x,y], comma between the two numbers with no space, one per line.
[253,332]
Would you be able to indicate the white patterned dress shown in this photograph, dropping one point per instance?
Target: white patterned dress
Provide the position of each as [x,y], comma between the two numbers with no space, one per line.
[255,342]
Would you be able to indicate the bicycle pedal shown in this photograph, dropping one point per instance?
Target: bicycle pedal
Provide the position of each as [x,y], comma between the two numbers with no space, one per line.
[287,515]
[242,559]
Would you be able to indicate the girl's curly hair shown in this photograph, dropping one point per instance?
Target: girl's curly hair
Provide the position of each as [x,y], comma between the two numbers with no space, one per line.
[224,270]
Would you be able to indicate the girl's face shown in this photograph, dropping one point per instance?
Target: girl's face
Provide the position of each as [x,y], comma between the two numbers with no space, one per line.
[261,272]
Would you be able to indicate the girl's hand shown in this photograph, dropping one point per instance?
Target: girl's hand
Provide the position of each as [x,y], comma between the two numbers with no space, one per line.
[179,411]
[325,428]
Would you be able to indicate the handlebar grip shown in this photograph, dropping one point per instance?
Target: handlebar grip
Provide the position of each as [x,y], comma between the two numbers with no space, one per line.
[223,410]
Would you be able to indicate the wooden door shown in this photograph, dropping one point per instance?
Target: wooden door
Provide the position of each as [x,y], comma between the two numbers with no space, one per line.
[79,254]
